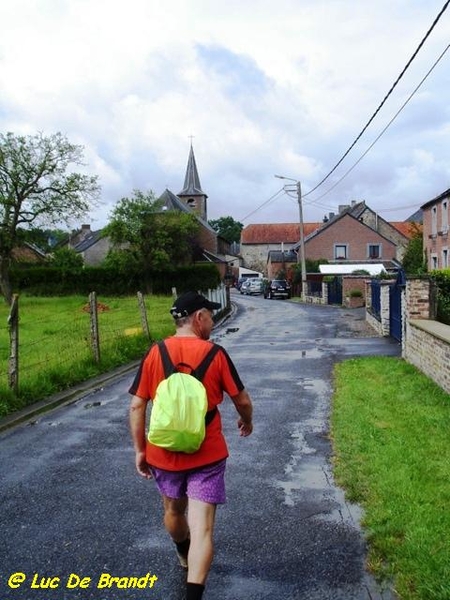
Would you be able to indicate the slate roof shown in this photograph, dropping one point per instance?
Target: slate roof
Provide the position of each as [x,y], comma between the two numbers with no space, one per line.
[192,185]
[172,202]
[416,217]
[88,241]
[275,233]
[445,194]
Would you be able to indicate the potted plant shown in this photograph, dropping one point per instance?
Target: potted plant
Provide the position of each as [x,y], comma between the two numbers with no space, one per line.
[355,299]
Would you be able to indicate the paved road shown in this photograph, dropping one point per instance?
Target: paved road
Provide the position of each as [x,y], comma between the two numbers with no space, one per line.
[72,508]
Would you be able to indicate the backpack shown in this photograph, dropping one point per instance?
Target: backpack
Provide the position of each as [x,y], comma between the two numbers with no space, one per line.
[179,414]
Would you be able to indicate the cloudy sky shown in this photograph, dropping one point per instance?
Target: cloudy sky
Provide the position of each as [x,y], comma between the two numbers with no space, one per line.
[264,87]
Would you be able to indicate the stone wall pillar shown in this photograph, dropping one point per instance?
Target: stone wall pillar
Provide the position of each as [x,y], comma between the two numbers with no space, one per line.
[385,309]
[419,303]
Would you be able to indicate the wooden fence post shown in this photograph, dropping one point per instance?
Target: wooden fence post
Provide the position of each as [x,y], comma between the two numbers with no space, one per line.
[143,312]
[13,363]
[95,339]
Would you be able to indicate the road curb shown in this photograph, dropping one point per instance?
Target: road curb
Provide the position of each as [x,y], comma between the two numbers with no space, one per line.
[65,397]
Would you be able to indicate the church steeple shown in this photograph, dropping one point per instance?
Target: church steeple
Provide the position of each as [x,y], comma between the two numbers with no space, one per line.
[192,194]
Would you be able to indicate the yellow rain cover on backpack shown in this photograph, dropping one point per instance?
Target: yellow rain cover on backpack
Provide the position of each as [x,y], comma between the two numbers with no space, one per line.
[177,420]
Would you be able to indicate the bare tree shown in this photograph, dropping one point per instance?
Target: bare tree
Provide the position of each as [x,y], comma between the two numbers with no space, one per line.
[37,188]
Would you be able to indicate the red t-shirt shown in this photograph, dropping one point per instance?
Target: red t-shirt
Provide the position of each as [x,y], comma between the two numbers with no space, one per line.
[220,377]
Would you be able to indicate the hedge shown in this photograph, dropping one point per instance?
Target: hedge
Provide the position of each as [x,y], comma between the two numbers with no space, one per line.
[442,281]
[51,281]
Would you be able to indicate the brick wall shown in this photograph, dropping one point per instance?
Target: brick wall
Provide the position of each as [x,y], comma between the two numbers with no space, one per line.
[426,343]
[428,349]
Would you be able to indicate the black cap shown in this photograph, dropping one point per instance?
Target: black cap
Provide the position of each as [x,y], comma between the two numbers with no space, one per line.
[189,302]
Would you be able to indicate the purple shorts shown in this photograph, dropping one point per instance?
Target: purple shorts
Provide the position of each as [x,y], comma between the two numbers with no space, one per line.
[206,484]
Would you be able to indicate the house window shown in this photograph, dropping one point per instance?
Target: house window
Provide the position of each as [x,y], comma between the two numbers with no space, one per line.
[434,220]
[192,203]
[374,250]
[434,262]
[444,216]
[341,251]
[444,258]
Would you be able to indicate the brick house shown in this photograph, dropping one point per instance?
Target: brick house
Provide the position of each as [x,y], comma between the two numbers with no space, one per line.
[348,239]
[435,231]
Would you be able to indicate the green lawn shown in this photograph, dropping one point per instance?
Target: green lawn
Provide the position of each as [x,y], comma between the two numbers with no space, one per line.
[390,430]
[54,342]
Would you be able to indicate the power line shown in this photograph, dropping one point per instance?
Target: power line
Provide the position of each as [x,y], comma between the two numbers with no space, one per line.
[264,203]
[383,131]
[384,99]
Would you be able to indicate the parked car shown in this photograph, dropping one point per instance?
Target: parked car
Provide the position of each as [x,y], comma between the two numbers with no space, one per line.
[252,286]
[240,281]
[277,288]
[243,285]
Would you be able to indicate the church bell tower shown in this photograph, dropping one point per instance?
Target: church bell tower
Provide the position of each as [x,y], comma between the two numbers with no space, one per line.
[192,194]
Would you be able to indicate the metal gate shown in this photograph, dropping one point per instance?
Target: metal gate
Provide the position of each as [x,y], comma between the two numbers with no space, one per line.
[335,291]
[395,306]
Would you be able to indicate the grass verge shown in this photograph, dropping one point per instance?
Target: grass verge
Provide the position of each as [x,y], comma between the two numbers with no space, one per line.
[55,350]
[390,430]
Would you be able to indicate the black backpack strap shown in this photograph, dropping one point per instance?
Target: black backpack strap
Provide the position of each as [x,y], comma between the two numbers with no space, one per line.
[168,366]
[210,415]
[200,371]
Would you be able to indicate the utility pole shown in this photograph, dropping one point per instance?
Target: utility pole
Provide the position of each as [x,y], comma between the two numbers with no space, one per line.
[301,254]
[302,241]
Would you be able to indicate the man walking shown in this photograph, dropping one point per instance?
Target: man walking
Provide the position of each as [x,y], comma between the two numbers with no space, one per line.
[191,485]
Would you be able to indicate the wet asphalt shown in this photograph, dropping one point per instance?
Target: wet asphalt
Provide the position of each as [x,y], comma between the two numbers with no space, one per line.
[74,514]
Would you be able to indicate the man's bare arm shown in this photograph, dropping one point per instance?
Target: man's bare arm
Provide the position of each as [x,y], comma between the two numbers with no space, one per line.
[138,408]
[244,407]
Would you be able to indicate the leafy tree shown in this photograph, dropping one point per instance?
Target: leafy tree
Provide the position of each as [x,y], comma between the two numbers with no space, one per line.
[312,266]
[414,262]
[227,228]
[67,259]
[146,237]
[36,189]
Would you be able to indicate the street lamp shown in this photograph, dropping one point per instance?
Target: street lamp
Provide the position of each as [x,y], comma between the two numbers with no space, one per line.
[301,254]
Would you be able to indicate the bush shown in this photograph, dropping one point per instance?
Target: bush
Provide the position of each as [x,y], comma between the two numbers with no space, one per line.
[442,281]
[355,294]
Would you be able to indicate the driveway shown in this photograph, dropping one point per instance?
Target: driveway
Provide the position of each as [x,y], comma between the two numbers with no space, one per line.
[74,513]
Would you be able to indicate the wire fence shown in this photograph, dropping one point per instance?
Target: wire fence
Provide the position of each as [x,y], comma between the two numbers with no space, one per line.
[53,340]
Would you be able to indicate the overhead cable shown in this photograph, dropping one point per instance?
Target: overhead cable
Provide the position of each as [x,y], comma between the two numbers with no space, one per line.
[263,204]
[384,99]
[383,130]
